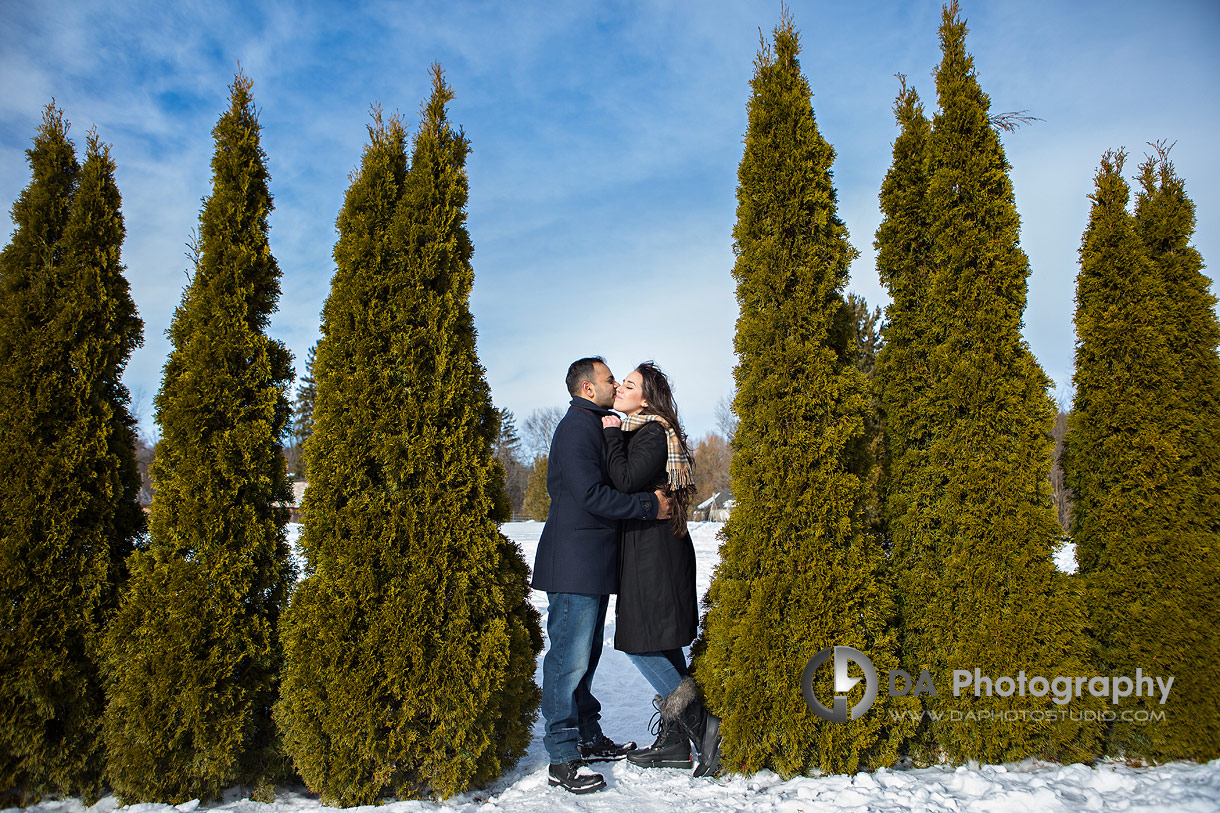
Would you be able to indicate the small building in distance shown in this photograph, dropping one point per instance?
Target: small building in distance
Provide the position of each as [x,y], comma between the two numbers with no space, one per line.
[298,492]
[715,508]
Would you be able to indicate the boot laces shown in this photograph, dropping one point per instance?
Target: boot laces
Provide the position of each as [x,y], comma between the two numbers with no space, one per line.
[655,724]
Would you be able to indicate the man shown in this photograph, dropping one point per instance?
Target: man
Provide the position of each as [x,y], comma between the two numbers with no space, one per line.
[577,566]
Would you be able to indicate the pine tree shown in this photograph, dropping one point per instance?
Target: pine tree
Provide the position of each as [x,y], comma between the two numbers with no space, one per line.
[508,442]
[410,646]
[970,503]
[69,510]
[797,571]
[1142,454]
[193,654]
[507,451]
[865,338]
[302,415]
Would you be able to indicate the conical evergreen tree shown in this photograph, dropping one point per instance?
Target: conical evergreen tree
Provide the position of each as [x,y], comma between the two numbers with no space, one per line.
[902,376]
[411,643]
[1122,439]
[902,380]
[1189,599]
[507,451]
[797,572]
[978,586]
[193,654]
[69,509]
[1142,457]
[1165,219]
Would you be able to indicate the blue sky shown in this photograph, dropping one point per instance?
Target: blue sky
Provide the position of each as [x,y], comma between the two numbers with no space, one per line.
[606,138]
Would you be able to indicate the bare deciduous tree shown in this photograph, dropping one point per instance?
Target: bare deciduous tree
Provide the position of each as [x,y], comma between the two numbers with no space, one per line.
[539,428]
[726,419]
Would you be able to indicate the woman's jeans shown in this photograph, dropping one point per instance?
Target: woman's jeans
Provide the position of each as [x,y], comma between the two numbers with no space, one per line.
[575,625]
[664,670]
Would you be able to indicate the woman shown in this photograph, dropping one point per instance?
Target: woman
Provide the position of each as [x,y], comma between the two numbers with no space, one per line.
[657,608]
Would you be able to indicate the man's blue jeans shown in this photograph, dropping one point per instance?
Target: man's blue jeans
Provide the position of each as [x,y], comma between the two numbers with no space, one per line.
[575,625]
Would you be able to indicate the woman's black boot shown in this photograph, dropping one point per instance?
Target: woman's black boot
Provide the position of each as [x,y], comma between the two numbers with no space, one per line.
[671,749]
[701,727]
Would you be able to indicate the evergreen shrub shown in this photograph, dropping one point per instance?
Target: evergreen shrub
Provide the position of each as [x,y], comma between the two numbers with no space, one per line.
[798,571]
[193,655]
[968,493]
[69,509]
[411,642]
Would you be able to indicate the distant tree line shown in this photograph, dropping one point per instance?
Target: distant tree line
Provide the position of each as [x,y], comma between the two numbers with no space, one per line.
[901,482]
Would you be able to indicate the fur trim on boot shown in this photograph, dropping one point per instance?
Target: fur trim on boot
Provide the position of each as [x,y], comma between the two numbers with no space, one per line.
[677,701]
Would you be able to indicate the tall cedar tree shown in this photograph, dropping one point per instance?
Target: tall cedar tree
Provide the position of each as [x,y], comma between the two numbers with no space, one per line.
[1165,218]
[1142,452]
[1188,600]
[976,528]
[69,490]
[193,654]
[797,571]
[410,644]
[903,244]
[903,373]
[1123,439]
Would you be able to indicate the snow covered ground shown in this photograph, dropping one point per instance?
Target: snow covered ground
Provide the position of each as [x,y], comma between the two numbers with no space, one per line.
[625,697]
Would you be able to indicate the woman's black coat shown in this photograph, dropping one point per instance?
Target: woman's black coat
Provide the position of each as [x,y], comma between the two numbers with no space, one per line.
[657,606]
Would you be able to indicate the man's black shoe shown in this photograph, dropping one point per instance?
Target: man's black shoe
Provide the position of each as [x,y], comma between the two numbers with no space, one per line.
[574,777]
[604,749]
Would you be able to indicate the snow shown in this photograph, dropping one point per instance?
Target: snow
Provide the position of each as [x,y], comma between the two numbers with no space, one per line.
[625,696]
[1065,557]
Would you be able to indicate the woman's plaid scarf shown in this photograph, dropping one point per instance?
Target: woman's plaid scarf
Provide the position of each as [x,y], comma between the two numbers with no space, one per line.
[677,466]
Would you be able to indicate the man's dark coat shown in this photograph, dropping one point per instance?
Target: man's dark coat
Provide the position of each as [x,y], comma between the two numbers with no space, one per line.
[578,550]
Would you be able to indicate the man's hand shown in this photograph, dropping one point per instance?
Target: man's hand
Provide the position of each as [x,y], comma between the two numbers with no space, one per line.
[663,503]
[611,422]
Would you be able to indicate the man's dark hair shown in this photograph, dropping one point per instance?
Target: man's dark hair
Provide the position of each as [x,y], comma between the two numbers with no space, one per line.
[582,370]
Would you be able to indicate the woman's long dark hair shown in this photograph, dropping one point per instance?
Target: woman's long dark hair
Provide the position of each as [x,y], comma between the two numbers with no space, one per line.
[660,398]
